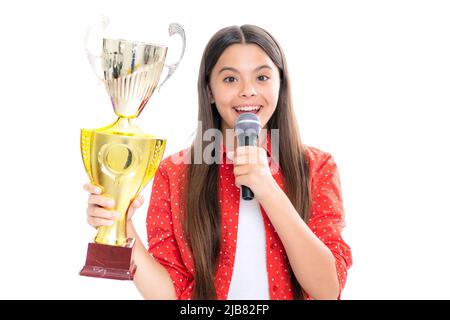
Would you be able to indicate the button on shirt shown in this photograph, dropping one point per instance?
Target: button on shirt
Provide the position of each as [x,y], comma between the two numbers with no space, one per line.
[167,243]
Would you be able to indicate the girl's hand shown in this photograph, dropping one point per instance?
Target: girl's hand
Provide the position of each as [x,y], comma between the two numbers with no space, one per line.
[100,208]
[251,169]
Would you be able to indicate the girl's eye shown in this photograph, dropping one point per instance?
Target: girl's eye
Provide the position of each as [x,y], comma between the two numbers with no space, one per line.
[263,78]
[229,79]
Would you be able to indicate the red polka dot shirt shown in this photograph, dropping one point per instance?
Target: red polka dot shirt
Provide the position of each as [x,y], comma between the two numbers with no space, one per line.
[168,245]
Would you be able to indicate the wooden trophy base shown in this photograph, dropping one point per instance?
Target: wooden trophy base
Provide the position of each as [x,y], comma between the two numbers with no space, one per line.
[110,262]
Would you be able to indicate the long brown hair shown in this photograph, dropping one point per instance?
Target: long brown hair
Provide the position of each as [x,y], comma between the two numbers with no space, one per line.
[202,219]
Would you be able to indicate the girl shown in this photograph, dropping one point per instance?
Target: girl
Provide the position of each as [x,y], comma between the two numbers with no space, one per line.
[204,241]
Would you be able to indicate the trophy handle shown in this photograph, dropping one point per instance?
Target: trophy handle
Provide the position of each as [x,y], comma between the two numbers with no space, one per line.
[175,28]
[86,146]
[93,59]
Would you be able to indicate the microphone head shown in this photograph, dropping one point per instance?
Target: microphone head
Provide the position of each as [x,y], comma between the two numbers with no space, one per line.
[248,124]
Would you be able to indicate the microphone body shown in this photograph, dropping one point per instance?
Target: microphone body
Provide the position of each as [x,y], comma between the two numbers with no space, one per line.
[247,130]
[247,140]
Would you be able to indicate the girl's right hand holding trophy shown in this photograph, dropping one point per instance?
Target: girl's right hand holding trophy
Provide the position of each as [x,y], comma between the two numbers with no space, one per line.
[100,208]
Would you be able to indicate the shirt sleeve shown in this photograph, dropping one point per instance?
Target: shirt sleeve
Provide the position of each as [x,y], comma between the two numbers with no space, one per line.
[162,244]
[327,215]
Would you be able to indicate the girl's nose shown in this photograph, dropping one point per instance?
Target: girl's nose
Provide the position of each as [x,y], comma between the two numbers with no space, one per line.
[247,90]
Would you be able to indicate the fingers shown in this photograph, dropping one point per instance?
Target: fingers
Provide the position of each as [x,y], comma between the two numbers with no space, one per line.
[99,222]
[248,155]
[89,187]
[101,201]
[95,197]
[98,216]
[138,202]
[241,170]
[100,211]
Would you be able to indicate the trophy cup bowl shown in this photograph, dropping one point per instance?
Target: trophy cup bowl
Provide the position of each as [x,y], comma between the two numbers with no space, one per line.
[120,157]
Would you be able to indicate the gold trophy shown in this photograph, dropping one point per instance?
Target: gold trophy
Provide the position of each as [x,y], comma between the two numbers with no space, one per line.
[120,157]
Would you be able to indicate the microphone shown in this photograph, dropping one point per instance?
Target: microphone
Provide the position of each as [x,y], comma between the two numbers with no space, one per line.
[247,129]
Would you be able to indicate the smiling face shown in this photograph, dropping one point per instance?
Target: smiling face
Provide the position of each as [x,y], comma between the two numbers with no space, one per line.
[244,79]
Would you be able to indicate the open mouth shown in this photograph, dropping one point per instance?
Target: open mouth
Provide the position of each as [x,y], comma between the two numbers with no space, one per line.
[251,109]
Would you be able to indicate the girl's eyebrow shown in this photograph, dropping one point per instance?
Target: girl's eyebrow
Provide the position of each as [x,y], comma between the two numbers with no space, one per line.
[263,67]
[237,71]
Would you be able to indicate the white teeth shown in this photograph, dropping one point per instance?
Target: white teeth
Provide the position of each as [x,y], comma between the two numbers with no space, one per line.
[247,108]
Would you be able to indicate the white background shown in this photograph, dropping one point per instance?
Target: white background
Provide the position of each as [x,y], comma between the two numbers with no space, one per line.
[371,84]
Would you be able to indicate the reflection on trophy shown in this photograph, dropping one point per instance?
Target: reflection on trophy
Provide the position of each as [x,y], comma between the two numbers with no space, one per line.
[120,157]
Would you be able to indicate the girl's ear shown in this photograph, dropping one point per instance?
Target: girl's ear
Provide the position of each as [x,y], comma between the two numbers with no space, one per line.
[210,95]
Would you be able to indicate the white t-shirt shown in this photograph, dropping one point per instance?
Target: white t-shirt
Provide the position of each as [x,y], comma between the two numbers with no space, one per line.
[250,279]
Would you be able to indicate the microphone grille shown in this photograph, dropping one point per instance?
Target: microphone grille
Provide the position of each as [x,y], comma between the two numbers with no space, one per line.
[248,123]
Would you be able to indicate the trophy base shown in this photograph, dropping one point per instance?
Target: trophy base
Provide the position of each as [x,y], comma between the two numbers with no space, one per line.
[109,262]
